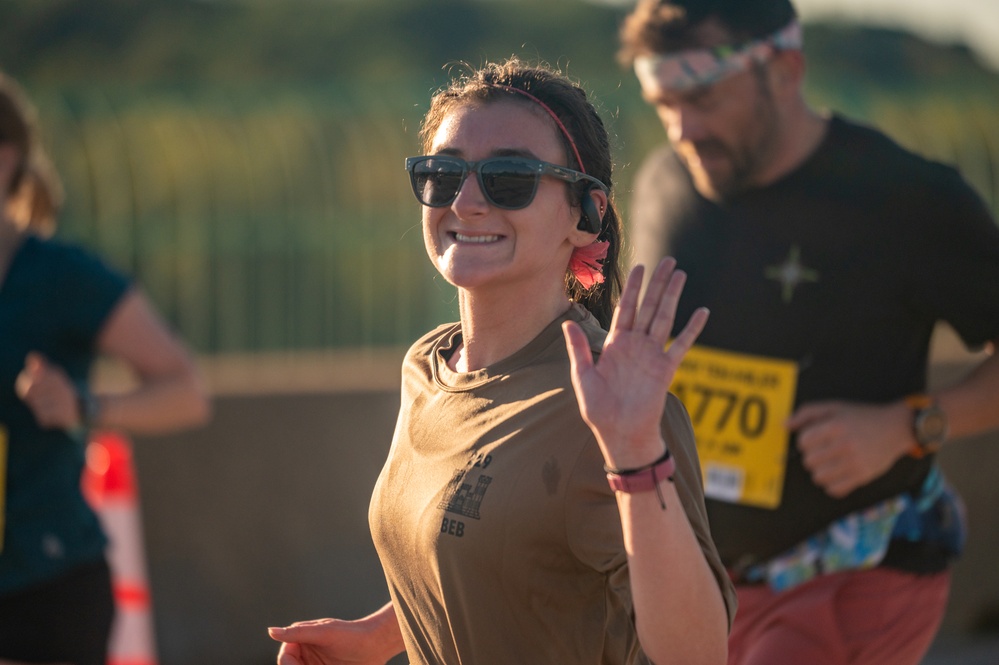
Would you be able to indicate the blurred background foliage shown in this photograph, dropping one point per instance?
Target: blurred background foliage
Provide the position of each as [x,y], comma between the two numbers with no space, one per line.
[243,159]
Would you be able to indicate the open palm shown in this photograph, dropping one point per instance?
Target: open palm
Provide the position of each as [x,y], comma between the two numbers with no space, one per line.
[622,396]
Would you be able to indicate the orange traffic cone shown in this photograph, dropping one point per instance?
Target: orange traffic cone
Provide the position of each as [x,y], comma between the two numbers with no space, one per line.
[109,485]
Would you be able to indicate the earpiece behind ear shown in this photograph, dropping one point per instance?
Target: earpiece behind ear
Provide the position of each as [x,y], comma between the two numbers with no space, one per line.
[591,220]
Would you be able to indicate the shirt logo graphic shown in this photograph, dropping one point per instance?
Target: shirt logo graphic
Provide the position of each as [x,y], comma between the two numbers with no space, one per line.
[791,273]
[460,497]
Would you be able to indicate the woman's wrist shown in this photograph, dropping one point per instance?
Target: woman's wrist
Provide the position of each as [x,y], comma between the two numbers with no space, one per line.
[645,478]
[631,453]
[90,408]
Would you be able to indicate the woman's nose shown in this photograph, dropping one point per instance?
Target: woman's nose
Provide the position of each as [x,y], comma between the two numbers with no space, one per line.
[470,196]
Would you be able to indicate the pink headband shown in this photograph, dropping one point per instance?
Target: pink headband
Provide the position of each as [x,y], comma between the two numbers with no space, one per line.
[565,132]
[586,263]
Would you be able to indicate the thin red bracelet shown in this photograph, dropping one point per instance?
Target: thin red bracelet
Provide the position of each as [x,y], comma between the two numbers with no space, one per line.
[643,479]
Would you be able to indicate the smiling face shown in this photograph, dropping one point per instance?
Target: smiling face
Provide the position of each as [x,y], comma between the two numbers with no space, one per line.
[477,246]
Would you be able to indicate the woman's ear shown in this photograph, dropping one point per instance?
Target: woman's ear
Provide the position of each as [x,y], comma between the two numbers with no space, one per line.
[592,209]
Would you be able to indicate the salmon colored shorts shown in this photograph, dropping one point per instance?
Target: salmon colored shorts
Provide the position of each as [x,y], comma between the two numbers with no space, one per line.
[869,617]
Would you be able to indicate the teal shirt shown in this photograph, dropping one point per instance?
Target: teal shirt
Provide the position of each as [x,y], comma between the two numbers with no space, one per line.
[54,299]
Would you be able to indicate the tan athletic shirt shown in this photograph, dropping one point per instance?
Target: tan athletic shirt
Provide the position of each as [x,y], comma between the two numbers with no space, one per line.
[499,536]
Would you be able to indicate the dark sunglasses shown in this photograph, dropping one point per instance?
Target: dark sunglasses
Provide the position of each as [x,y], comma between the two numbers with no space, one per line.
[507,182]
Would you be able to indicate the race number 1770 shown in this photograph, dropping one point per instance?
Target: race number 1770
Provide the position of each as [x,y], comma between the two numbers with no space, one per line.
[738,404]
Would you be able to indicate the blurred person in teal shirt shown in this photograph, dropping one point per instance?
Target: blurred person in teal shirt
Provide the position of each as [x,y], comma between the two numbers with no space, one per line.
[60,308]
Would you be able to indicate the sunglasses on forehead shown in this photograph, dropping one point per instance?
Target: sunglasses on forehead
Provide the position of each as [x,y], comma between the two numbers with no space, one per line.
[507,182]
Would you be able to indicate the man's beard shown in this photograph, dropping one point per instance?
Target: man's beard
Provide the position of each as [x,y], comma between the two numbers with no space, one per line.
[742,162]
[717,184]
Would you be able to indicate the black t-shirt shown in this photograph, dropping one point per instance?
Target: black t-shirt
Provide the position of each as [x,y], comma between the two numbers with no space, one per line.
[843,266]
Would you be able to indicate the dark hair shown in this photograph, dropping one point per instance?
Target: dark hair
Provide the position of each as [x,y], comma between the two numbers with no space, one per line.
[17,126]
[35,184]
[666,26]
[569,103]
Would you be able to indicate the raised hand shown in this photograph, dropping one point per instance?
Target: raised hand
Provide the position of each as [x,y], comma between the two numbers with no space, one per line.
[622,396]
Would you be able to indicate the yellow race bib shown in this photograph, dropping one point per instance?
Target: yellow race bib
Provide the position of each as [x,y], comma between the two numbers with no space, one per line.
[738,404]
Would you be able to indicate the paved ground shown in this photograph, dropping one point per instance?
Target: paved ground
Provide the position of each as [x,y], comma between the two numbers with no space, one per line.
[983,651]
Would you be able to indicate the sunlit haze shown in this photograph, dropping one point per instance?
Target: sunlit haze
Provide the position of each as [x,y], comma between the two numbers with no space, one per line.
[973,22]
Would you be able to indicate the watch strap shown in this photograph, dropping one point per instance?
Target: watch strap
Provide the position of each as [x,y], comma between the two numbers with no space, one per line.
[919,403]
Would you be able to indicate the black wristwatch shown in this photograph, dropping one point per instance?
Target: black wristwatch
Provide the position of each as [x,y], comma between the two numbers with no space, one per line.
[929,425]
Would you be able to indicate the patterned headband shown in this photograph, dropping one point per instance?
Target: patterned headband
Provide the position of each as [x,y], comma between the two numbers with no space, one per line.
[585,263]
[701,67]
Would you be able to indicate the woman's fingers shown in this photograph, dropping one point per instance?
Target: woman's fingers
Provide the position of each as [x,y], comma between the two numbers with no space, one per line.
[578,346]
[658,286]
[624,313]
[662,324]
[655,315]
[690,332]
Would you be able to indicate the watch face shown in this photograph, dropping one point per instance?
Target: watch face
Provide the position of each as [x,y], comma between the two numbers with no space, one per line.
[931,426]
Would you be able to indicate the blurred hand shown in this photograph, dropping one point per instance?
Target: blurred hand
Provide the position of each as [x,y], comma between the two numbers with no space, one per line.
[845,445]
[330,642]
[622,395]
[46,389]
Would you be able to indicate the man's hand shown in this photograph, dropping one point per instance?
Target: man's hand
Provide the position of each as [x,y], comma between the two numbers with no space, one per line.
[846,445]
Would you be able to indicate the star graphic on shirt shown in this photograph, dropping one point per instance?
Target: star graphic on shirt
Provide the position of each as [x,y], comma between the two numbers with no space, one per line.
[791,273]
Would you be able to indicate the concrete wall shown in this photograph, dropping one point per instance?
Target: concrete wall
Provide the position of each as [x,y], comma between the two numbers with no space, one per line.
[261,518]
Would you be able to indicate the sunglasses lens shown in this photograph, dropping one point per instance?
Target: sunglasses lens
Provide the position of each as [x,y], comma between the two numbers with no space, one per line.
[509,183]
[436,181]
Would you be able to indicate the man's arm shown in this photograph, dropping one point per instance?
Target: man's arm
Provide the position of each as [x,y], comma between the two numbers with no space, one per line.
[846,445]
[972,405]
